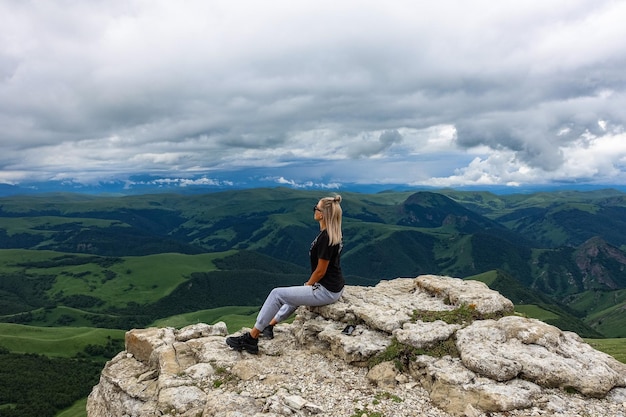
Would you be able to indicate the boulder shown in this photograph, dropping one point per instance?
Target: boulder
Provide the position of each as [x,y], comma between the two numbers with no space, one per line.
[516,347]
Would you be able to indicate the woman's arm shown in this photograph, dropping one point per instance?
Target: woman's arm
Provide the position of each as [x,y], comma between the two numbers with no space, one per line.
[320,271]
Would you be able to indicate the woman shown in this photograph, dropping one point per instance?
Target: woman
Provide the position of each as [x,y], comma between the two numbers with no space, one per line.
[325,285]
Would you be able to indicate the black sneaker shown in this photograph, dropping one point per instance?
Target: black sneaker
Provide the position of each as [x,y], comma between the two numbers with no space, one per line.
[268,332]
[244,342]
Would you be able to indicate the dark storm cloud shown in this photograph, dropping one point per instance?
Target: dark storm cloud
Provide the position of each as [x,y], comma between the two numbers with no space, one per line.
[368,147]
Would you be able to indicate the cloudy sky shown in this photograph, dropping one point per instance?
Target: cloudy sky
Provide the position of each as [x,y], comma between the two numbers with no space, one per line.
[441,93]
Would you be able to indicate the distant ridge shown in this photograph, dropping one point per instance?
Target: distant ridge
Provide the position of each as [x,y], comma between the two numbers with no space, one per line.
[223,181]
[544,242]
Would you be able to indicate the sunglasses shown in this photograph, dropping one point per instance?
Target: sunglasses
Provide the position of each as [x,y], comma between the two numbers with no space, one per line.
[316,209]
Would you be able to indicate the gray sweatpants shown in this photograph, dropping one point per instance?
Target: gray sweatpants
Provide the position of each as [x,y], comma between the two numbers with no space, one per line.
[283,301]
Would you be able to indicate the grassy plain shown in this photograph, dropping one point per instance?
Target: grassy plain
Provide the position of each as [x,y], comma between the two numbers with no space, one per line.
[138,279]
[68,341]
[142,279]
[53,341]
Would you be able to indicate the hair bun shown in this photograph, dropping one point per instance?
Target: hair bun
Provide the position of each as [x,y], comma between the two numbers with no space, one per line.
[337,198]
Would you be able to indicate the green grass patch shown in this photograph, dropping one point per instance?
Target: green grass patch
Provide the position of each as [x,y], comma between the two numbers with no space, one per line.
[536,312]
[234,317]
[115,282]
[364,412]
[605,311]
[611,323]
[79,409]
[65,342]
[614,347]
[142,279]
[487,278]
[401,355]
[452,251]
[388,396]
[464,314]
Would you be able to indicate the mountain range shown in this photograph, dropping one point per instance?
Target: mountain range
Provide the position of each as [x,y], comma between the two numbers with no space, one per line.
[122,261]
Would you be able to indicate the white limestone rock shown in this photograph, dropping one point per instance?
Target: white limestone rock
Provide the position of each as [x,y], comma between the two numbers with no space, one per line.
[466,292]
[452,387]
[181,399]
[384,375]
[514,347]
[356,348]
[385,307]
[198,330]
[425,334]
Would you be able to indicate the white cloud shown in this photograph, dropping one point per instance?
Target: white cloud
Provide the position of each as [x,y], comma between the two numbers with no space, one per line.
[441,92]
[588,158]
[306,184]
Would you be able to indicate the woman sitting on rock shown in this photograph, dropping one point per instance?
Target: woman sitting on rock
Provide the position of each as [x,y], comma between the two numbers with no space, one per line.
[324,286]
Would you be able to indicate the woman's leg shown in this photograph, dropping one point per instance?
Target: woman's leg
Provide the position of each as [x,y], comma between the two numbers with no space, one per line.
[285,311]
[306,295]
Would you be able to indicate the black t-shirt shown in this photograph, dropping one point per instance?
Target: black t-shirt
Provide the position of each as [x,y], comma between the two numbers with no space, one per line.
[321,249]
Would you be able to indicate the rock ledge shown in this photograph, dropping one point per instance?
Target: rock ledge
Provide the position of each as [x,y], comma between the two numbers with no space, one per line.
[507,366]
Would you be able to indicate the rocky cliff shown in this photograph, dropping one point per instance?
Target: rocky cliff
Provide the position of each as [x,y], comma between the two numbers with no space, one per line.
[426,346]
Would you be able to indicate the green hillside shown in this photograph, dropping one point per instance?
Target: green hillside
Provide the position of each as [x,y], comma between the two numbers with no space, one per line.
[125,261]
[603,310]
[77,271]
[553,219]
[47,288]
[537,305]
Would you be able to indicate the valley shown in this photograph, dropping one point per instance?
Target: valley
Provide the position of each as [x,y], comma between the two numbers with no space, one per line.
[77,271]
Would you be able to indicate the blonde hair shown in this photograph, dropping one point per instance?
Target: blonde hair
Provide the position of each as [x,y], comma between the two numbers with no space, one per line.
[331,209]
